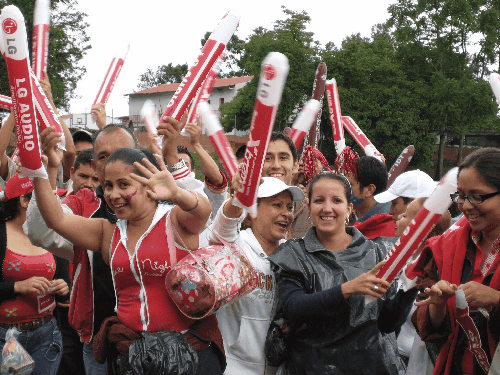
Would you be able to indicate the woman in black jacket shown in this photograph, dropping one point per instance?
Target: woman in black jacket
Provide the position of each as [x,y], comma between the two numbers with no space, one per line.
[28,282]
[323,279]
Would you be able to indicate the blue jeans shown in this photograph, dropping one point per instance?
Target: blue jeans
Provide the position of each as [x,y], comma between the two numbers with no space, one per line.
[91,365]
[43,344]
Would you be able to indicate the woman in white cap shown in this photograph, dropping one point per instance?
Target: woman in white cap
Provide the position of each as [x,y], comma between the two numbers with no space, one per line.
[244,324]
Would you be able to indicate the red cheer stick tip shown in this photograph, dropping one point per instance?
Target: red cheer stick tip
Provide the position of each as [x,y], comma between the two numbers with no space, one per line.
[495,85]
[304,121]
[272,81]
[198,72]
[420,227]
[332,95]
[41,27]
[150,118]
[400,164]
[218,138]
[360,138]
[17,58]
[111,76]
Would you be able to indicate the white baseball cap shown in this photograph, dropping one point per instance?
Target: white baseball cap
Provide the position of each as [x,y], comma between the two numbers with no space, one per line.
[411,184]
[272,186]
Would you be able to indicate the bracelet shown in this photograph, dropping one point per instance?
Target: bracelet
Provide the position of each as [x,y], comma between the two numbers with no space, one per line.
[197,201]
[179,165]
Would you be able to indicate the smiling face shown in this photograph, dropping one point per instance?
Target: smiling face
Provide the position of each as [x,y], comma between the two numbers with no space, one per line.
[329,207]
[274,217]
[125,196]
[279,161]
[483,217]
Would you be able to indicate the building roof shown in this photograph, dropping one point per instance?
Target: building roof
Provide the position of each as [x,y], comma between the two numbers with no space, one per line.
[221,82]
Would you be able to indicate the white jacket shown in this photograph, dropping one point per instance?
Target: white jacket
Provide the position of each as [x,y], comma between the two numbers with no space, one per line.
[244,324]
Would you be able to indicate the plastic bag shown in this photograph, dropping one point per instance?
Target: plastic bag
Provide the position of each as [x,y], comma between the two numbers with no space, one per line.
[276,345]
[15,359]
[165,352]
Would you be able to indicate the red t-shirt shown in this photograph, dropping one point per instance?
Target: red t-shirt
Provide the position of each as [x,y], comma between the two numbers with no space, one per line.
[30,306]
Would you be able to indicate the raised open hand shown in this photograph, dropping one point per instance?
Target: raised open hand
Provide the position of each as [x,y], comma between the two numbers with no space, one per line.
[161,185]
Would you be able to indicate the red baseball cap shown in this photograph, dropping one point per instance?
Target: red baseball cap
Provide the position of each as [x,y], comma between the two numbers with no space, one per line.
[17,186]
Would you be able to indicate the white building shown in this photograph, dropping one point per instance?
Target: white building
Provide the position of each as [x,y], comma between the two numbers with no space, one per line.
[84,121]
[224,91]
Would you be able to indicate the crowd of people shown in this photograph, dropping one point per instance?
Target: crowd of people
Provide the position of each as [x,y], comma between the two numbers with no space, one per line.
[85,254]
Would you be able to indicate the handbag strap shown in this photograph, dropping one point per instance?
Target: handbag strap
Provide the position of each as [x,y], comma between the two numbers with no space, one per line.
[172,249]
[222,240]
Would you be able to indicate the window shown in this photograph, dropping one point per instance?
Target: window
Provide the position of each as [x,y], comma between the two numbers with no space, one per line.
[221,101]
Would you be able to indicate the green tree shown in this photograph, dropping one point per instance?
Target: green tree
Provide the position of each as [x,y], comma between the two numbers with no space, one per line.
[164,74]
[377,94]
[433,39]
[68,44]
[290,37]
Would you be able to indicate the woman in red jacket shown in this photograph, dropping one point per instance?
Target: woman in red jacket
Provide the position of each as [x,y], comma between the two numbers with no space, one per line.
[464,258]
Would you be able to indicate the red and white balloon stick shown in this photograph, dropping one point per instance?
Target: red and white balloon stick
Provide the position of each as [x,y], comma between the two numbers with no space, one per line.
[198,72]
[332,95]
[272,81]
[112,75]
[14,40]
[41,27]
[360,137]
[150,118]
[420,227]
[304,121]
[218,138]
[400,164]
[203,93]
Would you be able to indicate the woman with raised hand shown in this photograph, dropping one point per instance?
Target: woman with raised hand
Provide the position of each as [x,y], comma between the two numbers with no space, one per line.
[146,200]
[465,258]
[30,279]
[323,280]
[244,324]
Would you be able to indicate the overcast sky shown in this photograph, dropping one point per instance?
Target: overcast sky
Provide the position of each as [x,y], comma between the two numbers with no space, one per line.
[162,32]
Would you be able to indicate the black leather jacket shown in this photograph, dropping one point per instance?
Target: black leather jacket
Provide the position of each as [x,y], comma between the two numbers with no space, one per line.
[342,336]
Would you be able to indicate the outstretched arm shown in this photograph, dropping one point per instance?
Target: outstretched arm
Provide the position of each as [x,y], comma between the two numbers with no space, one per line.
[192,209]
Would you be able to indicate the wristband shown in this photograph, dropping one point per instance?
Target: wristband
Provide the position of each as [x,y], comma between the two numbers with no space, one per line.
[179,165]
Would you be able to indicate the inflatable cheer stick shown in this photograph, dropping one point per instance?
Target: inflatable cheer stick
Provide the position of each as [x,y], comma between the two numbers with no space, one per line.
[332,95]
[41,27]
[304,121]
[312,137]
[360,137]
[45,113]
[18,66]
[495,85]
[420,227]
[400,164]
[150,118]
[111,76]
[218,138]
[203,93]
[272,81]
[198,72]
[5,102]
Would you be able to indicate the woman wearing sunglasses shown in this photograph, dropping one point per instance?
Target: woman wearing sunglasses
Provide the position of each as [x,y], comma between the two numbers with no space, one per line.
[464,258]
